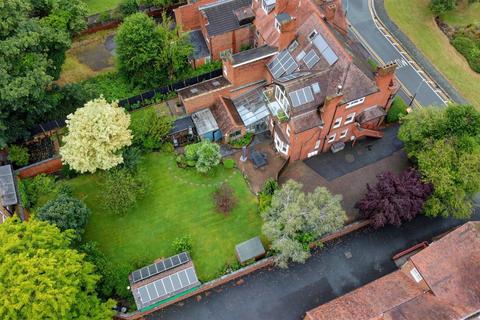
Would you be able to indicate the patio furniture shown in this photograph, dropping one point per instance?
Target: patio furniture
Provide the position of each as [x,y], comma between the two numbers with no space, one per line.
[259,159]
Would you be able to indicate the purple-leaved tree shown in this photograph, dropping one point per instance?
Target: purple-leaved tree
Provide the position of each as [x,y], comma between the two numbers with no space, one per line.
[394,199]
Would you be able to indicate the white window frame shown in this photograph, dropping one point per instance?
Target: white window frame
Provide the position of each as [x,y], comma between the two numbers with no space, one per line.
[280,145]
[312,154]
[331,139]
[355,102]
[277,25]
[208,59]
[288,130]
[293,46]
[312,35]
[281,99]
[317,144]
[350,118]
[337,123]
[344,133]
[225,70]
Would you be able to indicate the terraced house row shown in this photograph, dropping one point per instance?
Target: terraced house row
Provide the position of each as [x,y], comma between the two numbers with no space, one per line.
[288,67]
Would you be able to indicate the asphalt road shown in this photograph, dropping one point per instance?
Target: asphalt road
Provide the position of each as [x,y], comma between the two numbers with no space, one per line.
[351,262]
[362,23]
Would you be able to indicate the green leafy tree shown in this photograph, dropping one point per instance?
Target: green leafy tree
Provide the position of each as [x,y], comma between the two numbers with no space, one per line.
[149,54]
[66,212]
[150,129]
[440,6]
[122,189]
[42,277]
[18,155]
[296,218]
[208,156]
[445,143]
[34,36]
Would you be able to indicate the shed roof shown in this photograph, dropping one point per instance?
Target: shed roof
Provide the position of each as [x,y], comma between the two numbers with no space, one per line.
[204,121]
[250,249]
[182,124]
[8,190]
[253,54]
[221,17]
[200,48]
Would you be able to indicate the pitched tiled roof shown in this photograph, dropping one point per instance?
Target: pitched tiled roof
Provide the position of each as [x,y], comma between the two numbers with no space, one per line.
[200,48]
[227,116]
[221,17]
[449,267]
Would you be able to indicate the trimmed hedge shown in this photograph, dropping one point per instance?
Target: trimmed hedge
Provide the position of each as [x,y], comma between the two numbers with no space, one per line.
[397,110]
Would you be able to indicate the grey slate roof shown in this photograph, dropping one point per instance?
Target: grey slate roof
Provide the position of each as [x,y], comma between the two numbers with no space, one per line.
[250,249]
[221,17]
[252,54]
[204,121]
[182,124]
[8,190]
[200,48]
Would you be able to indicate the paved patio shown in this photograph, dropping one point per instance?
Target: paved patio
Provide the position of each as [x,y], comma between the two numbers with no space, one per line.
[351,186]
[256,177]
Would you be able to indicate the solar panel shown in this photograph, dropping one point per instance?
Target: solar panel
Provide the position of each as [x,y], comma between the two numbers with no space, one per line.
[282,64]
[316,88]
[300,55]
[293,76]
[301,96]
[311,59]
[8,191]
[330,56]
[156,268]
[172,284]
[320,43]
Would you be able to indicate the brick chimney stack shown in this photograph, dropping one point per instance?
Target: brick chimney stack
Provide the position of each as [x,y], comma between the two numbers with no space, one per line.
[288,32]
[281,6]
[330,10]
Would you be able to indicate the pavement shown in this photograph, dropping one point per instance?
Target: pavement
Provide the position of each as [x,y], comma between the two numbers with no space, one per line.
[340,267]
[365,152]
[363,26]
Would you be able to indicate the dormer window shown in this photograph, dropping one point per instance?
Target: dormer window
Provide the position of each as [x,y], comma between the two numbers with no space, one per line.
[277,25]
[312,35]
[268,5]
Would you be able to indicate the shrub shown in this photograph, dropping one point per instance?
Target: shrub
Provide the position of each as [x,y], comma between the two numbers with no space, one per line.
[373,64]
[182,244]
[397,110]
[35,188]
[470,49]
[208,156]
[66,213]
[67,172]
[229,163]
[224,198]
[181,161]
[264,202]
[269,187]
[191,152]
[149,129]
[128,7]
[131,158]
[243,141]
[18,155]
[393,199]
[122,189]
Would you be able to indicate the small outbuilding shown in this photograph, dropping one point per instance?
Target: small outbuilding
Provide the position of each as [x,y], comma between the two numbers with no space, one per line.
[8,192]
[250,249]
[163,279]
[183,132]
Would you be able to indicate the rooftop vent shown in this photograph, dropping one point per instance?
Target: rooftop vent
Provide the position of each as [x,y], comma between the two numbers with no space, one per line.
[245,15]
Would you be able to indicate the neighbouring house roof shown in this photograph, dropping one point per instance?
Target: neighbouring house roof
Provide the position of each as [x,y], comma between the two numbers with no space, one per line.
[204,87]
[182,124]
[306,121]
[8,189]
[445,286]
[251,107]
[221,16]
[163,279]
[200,48]
[371,113]
[249,249]
[226,116]
[204,121]
[253,54]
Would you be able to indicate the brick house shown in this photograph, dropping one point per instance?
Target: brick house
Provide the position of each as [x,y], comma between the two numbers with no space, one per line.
[304,80]
[439,282]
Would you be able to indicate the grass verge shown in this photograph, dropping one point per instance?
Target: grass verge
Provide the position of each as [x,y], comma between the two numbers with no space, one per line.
[417,22]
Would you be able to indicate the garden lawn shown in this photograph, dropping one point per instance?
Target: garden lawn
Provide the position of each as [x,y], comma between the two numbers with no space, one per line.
[463,15]
[417,22]
[179,203]
[98,6]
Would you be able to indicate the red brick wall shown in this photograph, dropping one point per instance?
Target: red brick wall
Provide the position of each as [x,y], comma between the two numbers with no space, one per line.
[188,16]
[233,40]
[47,166]
[246,73]
[203,101]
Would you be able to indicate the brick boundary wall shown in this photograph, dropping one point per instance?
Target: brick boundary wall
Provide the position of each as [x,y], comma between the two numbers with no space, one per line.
[266,262]
[46,166]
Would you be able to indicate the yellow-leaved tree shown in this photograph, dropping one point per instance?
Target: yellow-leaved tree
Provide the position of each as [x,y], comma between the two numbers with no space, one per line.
[96,135]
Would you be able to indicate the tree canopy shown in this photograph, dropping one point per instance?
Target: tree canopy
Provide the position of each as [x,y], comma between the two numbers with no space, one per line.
[394,199]
[42,277]
[296,218]
[34,36]
[96,135]
[66,212]
[445,143]
[149,54]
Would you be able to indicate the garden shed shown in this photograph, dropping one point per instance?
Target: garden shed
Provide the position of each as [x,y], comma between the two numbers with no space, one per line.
[183,132]
[206,125]
[250,249]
